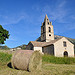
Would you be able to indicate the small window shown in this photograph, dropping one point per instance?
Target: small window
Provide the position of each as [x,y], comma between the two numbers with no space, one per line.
[48,23]
[49,29]
[49,34]
[64,44]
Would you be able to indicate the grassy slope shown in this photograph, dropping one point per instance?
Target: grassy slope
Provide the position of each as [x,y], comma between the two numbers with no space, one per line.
[47,69]
[58,60]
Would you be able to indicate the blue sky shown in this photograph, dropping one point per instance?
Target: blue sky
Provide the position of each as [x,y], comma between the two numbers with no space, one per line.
[23,19]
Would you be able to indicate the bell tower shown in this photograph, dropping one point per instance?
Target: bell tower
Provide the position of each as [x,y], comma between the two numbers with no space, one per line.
[47,33]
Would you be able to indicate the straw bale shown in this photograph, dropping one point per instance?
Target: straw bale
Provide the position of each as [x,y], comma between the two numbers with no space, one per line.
[27,60]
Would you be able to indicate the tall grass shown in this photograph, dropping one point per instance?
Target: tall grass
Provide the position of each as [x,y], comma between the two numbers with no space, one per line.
[5,57]
[58,60]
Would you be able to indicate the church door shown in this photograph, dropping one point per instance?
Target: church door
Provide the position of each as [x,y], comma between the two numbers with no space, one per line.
[65,54]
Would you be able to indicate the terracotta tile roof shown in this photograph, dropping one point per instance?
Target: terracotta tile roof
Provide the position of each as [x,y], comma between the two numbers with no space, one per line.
[41,44]
[51,42]
[37,44]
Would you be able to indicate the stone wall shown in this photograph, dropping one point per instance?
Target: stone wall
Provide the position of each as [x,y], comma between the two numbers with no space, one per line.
[38,49]
[59,48]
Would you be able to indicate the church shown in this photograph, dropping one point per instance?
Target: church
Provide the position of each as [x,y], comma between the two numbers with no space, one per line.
[48,45]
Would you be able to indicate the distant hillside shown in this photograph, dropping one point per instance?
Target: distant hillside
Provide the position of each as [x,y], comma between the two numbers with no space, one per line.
[4,48]
[57,36]
[22,46]
[70,39]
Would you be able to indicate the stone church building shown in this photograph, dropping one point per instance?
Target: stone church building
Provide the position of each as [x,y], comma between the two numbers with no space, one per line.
[48,45]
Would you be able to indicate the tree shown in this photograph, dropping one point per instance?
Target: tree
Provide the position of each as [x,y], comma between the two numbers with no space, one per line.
[24,47]
[4,34]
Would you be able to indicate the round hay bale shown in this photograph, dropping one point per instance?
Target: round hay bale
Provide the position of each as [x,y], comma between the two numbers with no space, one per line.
[27,60]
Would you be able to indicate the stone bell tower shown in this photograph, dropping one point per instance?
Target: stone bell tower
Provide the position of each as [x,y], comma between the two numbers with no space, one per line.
[47,33]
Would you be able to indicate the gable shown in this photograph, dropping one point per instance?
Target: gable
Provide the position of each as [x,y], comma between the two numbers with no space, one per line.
[64,40]
[29,46]
[37,44]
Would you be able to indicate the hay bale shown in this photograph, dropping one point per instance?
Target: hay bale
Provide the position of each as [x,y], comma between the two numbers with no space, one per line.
[27,60]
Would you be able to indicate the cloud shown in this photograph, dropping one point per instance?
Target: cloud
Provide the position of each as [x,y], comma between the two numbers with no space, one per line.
[70,26]
[72,17]
[61,4]
[57,12]
[12,18]
[11,38]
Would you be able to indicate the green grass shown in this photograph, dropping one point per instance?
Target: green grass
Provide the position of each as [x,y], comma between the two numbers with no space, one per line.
[4,59]
[58,60]
[47,68]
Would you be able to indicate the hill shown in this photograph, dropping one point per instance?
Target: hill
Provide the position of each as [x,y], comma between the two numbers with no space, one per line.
[4,48]
[21,46]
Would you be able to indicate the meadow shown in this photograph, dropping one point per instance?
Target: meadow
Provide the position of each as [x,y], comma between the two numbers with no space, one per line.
[51,66]
[58,60]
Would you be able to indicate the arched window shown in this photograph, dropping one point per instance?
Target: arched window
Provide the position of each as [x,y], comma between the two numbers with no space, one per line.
[49,29]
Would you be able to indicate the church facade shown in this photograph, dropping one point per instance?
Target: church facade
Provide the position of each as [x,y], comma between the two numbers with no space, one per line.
[48,45]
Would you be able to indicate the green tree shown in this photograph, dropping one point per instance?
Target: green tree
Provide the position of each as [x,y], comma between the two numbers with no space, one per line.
[4,34]
[23,47]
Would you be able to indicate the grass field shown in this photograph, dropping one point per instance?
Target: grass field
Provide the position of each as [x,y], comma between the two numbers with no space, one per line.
[58,60]
[48,68]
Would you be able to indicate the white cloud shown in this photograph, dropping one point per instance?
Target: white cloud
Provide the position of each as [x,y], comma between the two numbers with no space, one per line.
[72,17]
[12,18]
[62,3]
[11,38]
[57,12]
[70,26]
